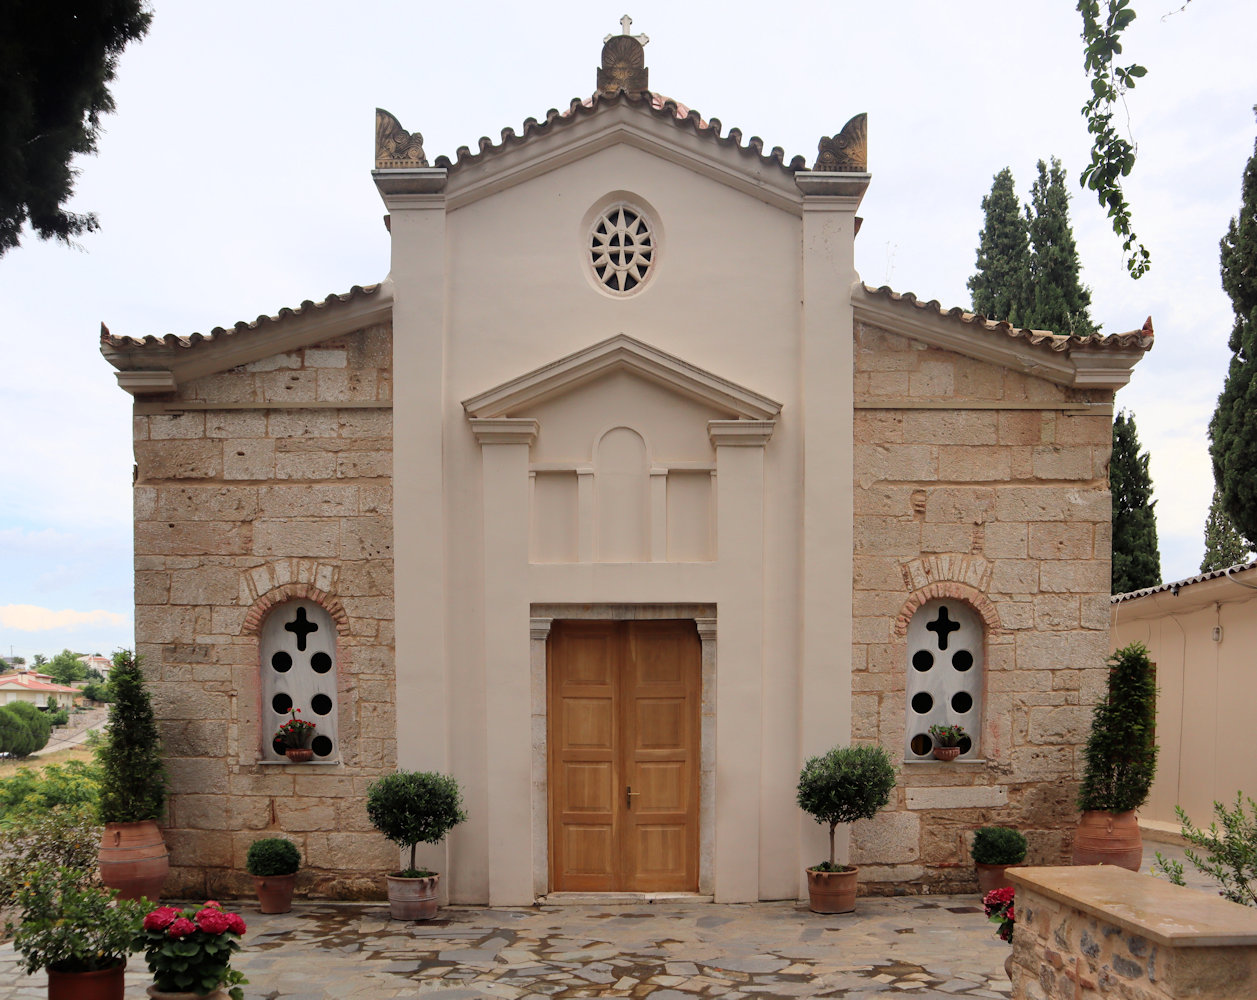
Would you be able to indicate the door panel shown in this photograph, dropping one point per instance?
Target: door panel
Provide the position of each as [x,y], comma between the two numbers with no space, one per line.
[624,742]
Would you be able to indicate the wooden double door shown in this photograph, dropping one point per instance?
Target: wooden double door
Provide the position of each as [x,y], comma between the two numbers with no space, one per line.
[623,736]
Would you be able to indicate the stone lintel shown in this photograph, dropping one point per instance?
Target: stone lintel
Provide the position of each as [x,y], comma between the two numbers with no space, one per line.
[504,430]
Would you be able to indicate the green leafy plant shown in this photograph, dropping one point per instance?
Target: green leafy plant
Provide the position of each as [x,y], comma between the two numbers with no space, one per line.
[295,733]
[1229,855]
[272,856]
[413,806]
[133,785]
[1121,751]
[23,729]
[61,837]
[30,792]
[998,845]
[846,784]
[948,736]
[69,925]
[189,951]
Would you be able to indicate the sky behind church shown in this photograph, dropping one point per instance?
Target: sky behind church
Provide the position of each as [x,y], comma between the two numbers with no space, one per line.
[234,179]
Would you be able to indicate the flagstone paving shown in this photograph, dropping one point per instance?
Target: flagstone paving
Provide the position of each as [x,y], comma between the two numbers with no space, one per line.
[931,947]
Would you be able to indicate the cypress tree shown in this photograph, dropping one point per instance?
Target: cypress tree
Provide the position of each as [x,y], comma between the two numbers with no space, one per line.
[133,784]
[1001,288]
[1058,300]
[1224,546]
[1233,429]
[1136,559]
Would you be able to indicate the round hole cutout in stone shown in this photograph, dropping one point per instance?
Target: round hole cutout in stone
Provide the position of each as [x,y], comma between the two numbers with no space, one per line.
[962,659]
[321,663]
[322,746]
[961,702]
[321,704]
[922,660]
[279,747]
[965,745]
[281,703]
[281,662]
[922,702]
[922,745]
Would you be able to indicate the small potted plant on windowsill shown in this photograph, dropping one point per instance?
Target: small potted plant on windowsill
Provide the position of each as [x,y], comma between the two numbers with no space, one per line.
[295,736]
[409,807]
[947,741]
[273,862]
[842,786]
[77,931]
[995,848]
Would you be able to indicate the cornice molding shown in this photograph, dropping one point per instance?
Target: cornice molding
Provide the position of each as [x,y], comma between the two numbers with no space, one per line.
[740,433]
[504,430]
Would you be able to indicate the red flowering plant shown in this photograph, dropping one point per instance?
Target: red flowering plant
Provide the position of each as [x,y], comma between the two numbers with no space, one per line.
[294,734]
[190,950]
[998,904]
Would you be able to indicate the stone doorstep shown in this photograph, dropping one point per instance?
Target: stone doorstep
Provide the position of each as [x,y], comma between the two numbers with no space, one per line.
[620,898]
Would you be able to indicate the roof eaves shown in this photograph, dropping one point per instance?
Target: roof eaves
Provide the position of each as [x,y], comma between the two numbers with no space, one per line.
[1176,585]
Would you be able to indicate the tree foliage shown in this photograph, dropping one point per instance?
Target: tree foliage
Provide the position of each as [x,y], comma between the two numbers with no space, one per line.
[1233,429]
[844,785]
[413,806]
[1000,286]
[1121,751]
[66,667]
[1112,156]
[1027,266]
[32,793]
[24,729]
[133,777]
[1224,545]
[1058,300]
[1229,855]
[1136,556]
[58,60]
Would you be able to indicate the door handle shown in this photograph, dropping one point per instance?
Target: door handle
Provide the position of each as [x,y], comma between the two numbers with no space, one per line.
[628,796]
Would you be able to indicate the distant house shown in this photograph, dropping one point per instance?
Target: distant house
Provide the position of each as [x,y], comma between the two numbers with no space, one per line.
[1201,633]
[100,664]
[39,690]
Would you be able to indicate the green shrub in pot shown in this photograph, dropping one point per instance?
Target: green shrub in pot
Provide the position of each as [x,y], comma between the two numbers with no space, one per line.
[998,845]
[272,856]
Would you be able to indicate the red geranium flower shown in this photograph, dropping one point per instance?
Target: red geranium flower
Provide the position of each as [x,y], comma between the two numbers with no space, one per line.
[213,921]
[160,918]
[235,923]
[181,928]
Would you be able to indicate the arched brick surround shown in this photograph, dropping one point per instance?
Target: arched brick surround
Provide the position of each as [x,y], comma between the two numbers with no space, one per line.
[292,592]
[956,578]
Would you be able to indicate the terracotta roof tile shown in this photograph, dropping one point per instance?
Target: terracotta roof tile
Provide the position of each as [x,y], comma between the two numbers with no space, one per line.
[657,104]
[29,682]
[1141,339]
[170,340]
[1177,585]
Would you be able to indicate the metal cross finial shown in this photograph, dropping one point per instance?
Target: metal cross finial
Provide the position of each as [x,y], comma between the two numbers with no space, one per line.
[625,23]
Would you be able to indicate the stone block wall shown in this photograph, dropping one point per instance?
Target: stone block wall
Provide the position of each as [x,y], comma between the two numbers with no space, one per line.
[265,483]
[999,497]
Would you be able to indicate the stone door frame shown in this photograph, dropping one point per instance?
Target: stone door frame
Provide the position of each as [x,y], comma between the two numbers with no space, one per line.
[542,617]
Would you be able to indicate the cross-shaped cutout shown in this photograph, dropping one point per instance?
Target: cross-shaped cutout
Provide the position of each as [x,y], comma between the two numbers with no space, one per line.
[943,626]
[301,628]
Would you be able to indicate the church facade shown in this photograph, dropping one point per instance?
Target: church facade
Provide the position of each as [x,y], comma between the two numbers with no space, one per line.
[619,498]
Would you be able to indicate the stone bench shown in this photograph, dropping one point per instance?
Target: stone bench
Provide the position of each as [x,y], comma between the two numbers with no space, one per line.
[1085,933]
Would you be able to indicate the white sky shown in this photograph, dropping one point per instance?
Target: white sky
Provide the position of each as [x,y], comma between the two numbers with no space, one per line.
[235,179]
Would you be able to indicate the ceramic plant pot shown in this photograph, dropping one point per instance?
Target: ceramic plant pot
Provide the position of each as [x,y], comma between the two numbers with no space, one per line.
[831,892]
[992,877]
[412,898]
[274,892]
[133,859]
[946,753]
[1105,838]
[299,755]
[103,984]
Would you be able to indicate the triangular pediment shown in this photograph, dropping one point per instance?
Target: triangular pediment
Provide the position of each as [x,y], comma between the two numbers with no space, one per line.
[620,353]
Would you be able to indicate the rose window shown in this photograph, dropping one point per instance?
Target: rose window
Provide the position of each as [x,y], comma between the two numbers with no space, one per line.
[622,249]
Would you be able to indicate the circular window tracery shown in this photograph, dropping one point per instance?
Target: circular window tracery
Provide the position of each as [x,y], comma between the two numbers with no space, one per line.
[622,249]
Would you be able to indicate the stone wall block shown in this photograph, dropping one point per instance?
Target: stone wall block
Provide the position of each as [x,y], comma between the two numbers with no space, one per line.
[976,380]
[946,537]
[354,852]
[983,464]
[1060,541]
[307,466]
[159,623]
[308,501]
[152,587]
[197,849]
[174,703]
[376,498]
[1043,763]
[303,423]
[207,775]
[1052,503]
[1015,576]
[887,536]
[316,357]
[227,387]
[208,585]
[178,459]
[364,465]
[301,815]
[245,458]
[289,386]
[896,463]
[288,361]
[363,424]
[169,426]
[1021,428]
[235,424]
[348,386]
[1067,725]
[887,838]
[199,812]
[933,379]
[957,505]
[307,537]
[1083,576]
[366,538]
[206,503]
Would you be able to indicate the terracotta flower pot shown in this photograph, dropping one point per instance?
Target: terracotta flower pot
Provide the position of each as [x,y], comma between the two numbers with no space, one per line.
[412,898]
[274,892]
[992,877]
[831,892]
[133,859]
[1105,838]
[103,984]
[946,753]
[299,755]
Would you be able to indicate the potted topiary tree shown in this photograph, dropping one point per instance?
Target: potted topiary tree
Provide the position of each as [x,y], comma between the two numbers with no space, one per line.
[409,807]
[994,849]
[842,786]
[133,857]
[273,862]
[1121,759]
